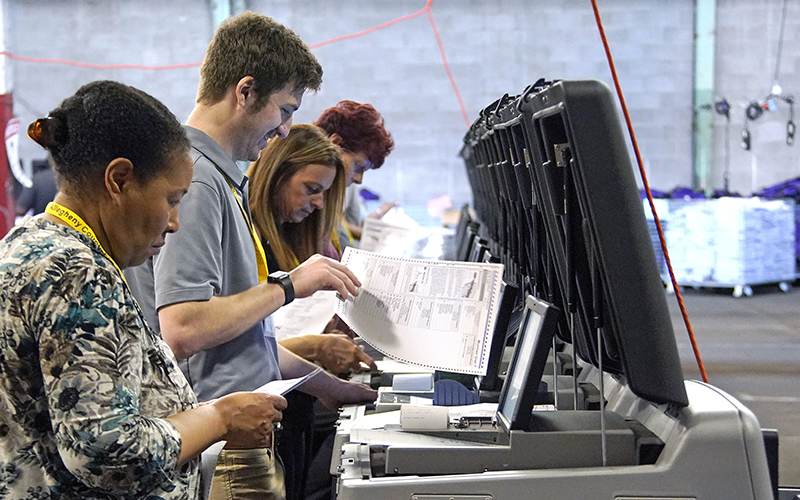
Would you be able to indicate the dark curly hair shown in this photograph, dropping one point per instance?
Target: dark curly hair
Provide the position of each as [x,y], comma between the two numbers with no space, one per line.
[106,120]
[255,45]
[361,128]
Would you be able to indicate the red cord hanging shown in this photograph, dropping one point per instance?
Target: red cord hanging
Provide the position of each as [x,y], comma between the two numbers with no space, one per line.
[661,237]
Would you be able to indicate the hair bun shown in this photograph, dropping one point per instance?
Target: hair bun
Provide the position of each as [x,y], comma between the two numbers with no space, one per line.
[47,132]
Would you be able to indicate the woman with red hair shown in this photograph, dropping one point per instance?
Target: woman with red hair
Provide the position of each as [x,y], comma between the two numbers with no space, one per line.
[359,130]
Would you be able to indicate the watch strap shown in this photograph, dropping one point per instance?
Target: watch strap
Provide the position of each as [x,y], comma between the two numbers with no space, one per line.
[282,278]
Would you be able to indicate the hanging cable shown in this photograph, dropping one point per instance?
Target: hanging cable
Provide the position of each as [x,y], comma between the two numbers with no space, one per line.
[780,49]
[447,65]
[424,10]
[649,194]
[97,66]
[373,29]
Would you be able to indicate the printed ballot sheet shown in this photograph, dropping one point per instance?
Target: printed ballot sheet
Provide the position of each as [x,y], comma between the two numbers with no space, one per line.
[430,313]
[306,316]
[386,239]
[284,386]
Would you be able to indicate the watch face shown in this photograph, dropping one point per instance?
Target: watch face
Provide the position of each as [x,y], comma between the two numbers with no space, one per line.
[278,275]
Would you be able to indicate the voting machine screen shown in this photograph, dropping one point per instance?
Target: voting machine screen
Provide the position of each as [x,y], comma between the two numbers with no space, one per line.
[534,341]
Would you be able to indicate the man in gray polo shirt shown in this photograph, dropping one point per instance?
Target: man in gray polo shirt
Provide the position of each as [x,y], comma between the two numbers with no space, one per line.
[212,308]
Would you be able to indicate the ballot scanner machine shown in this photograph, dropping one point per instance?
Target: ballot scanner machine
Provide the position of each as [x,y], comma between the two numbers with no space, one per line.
[556,200]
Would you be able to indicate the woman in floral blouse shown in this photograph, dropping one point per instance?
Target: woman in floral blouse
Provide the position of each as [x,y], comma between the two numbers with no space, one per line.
[92,403]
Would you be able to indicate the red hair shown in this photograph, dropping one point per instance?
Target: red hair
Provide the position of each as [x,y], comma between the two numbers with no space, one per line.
[361,128]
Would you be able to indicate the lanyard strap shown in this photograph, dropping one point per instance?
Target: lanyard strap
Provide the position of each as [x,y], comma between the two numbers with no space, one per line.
[261,258]
[337,245]
[72,219]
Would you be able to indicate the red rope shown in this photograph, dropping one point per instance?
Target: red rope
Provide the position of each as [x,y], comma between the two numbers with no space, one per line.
[661,237]
[425,10]
[376,28]
[96,66]
[447,66]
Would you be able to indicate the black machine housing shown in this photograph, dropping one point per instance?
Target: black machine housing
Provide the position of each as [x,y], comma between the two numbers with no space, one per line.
[555,191]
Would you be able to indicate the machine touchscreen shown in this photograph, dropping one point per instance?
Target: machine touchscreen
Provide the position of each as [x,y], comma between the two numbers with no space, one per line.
[534,340]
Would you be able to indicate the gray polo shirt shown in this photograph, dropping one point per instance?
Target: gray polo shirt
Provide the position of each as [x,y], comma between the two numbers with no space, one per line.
[211,254]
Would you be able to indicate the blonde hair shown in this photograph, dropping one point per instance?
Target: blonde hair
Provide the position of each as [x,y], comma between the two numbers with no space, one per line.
[293,243]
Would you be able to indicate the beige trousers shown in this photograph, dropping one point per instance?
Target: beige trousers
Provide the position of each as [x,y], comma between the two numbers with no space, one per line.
[248,475]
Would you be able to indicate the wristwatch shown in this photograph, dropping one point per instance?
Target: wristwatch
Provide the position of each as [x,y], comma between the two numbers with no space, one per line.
[282,278]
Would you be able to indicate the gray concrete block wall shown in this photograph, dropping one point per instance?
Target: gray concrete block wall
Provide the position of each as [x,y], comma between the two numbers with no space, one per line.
[497,48]
[746,51]
[143,32]
[493,47]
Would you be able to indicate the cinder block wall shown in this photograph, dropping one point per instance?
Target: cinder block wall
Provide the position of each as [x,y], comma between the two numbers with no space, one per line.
[493,47]
[103,32]
[747,44]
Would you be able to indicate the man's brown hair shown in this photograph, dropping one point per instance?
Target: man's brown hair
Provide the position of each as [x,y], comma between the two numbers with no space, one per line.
[251,44]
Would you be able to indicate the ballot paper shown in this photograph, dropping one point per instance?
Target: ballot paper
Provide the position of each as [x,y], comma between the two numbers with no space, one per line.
[209,456]
[391,366]
[306,316]
[384,428]
[400,236]
[283,387]
[386,239]
[429,313]
[480,410]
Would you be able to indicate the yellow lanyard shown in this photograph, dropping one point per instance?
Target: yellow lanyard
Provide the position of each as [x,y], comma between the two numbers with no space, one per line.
[336,243]
[72,219]
[261,258]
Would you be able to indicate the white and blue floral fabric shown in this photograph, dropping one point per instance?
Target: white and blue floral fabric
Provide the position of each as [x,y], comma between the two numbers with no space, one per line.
[85,384]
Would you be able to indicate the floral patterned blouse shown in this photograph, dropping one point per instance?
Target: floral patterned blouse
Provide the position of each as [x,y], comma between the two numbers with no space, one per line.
[85,384]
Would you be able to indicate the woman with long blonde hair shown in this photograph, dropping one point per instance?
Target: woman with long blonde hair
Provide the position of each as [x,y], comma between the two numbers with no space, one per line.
[290,183]
[296,197]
